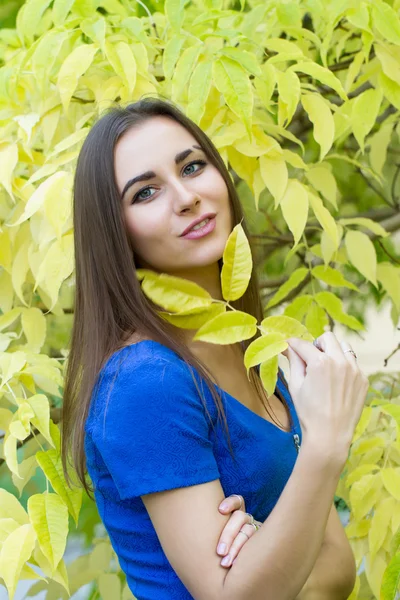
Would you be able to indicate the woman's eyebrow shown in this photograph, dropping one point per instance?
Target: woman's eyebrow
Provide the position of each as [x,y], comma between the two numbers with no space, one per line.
[150,174]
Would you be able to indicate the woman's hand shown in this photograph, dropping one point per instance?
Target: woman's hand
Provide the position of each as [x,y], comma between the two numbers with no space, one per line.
[231,536]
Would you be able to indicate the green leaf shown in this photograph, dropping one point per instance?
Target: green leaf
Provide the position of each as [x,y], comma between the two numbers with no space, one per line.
[49,517]
[29,18]
[362,254]
[61,9]
[299,307]
[233,82]
[334,307]
[237,265]
[264,348]
[174,294]
[294,280]
[320,115]
[228,328]
[323,75]
[391,579]
[365,112]
[294,206]
[332,277]
[378,144]
[8,162]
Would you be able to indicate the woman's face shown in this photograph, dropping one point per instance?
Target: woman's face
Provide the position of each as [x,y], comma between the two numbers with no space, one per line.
[181,189]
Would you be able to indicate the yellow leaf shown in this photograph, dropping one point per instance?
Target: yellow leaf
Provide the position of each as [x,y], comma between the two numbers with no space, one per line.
[233,82]
[389,276]
[264,348]
[332,277]
[15,551]
[175,13]
[365,111]
[10,508]
[58,213]
[359,472]
[323,75]
[228,328]
[320,115]
[364,494]
[294,280]
[6,291]
[199,87]
[56,267]
[389,58]
[7,526]
[174,294]
[10,453]
[41,417]
[75,65]
[193,319]
[294,205]
[29,17]
[51,186]
[183,70]
[95,29]
[299,307]
[269,374]
[287,326]
[289,95]
[275,175]
[374,571]
[60,575]
[333,305]
[391,481]
[244,58]
[34,325]
[316,320]
[50,463]
[364,222]
[237,265]
[109,584]
[49,517]
[10,364]
[20,269]
[378,144]
[8,162]
[5,250]
[123,62]
[27,469]
[380,525]
[362,254]
[171,54]
[67,143]
[386,20]
[322,179]
[325,218]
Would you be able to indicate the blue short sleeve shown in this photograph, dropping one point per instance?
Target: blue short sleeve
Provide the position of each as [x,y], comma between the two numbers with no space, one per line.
[150,426]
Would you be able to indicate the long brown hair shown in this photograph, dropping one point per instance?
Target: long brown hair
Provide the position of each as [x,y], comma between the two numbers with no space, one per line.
[109,303]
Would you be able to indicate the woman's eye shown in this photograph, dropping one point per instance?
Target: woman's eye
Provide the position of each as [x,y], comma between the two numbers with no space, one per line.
[139,195]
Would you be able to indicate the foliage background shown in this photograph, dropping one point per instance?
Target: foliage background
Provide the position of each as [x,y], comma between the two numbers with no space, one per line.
[302,99]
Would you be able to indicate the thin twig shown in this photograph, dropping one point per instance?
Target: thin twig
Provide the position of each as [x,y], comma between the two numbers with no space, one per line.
[388,253]
[377,192]
[394,198]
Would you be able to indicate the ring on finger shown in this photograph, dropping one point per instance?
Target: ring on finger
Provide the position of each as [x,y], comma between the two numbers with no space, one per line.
[352,351]
[251,522]
[245,533]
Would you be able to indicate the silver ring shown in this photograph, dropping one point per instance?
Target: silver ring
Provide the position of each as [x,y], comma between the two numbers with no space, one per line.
[352,351]
[244,534]
[241,500]
[251,518]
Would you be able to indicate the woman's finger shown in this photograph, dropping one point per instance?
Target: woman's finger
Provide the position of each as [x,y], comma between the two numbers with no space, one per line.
[349,355]
[231,503]
[244,534]
[329,344]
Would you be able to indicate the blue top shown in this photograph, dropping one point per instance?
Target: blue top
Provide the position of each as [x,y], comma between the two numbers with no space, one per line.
[155,435]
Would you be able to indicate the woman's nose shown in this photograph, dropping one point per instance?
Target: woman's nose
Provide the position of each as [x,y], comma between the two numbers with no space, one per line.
[184,197]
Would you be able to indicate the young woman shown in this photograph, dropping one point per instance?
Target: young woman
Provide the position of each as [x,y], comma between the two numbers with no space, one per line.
[167,427]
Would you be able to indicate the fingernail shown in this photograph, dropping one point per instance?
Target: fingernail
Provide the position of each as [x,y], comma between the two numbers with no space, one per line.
[226,561]
[223,506]
[221,548]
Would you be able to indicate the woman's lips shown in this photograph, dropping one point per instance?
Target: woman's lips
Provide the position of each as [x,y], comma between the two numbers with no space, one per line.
[199,233]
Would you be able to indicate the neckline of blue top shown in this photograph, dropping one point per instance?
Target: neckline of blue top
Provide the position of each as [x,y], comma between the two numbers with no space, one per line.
[281,387]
